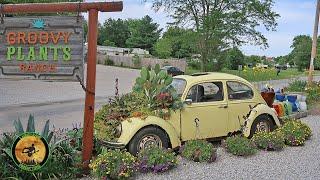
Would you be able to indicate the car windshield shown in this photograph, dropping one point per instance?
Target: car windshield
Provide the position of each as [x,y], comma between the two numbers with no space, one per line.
[179,85]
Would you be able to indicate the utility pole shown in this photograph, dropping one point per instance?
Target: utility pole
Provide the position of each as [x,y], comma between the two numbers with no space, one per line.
[314,43]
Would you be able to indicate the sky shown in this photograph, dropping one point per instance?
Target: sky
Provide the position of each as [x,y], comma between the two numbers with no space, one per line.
[297,17]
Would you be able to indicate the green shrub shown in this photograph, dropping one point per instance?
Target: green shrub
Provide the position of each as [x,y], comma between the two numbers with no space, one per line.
[295,132]
[108,62]
[273,141]
[297,86]
[156,160]
[114,164]
[199,151]
[313,92]
[136,61]
[240,146]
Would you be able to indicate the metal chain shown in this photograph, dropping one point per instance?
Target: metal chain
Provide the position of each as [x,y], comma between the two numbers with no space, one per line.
[117,87]
[1,13]
[83,86]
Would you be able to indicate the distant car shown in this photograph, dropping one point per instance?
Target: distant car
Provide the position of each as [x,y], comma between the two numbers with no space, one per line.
[174,71]
[282,67]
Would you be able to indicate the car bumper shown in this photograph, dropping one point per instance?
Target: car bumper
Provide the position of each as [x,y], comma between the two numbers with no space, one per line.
[112,145]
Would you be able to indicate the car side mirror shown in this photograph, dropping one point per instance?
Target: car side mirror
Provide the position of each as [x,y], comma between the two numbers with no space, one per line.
[188,101]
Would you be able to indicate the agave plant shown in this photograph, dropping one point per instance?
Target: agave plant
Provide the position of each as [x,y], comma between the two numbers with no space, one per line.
[46,133]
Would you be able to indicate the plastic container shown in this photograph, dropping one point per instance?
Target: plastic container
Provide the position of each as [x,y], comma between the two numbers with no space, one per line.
[268,97]
[292,98]
[294,107]
[280,97]
[279,109]
[303,106]
[287,108]
[303,98]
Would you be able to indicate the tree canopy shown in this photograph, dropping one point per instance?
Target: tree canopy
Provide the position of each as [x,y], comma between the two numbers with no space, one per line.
[144,33]
[222,23]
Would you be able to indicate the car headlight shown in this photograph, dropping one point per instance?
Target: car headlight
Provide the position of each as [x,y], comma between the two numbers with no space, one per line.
[118,130]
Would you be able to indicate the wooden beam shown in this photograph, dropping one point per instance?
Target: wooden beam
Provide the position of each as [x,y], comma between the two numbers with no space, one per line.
[62,7]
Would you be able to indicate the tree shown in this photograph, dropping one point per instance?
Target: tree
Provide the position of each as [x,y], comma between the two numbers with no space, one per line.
[234,58]
[115,32]
[143,33]
[222,23]
[163,48]
[252,60]
[302,51]
[182,41]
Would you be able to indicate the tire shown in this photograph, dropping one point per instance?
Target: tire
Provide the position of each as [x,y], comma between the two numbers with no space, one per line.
[147,137]
[264,120]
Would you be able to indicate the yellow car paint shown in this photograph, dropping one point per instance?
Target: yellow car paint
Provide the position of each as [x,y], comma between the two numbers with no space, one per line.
[206,119]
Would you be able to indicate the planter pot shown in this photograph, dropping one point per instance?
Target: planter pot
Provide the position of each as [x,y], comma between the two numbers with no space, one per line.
[268,97]
[292,98]
[280,97]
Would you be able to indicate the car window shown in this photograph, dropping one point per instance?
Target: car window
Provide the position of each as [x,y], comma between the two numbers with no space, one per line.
[206,92]
[239,91]
[179,85]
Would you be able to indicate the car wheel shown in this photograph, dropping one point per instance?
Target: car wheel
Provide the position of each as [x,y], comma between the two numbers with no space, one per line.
[262,123]
[147,137]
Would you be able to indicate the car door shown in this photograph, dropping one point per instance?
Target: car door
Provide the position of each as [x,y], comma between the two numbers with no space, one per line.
[205,113]
[240,97]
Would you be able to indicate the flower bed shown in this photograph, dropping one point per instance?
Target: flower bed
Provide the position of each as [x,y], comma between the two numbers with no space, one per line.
[114,164]
[240,146]
[272,141]
[199,151]
[156,160]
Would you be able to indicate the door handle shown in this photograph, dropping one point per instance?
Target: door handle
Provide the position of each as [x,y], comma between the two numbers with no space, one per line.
[223,106]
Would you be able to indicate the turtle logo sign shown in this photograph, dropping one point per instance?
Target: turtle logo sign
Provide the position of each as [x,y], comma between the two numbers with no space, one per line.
[30,151]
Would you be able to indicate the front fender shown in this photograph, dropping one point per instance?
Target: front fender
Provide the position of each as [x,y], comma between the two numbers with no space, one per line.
[131,126]
[254,113]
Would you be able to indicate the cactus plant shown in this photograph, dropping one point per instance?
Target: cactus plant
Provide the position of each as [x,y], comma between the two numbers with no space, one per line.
[152,83]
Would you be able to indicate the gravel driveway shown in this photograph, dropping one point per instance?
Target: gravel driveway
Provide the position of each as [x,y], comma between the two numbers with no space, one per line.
[291,163]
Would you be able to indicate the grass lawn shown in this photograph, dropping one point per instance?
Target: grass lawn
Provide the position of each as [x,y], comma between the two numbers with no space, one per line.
[261,75]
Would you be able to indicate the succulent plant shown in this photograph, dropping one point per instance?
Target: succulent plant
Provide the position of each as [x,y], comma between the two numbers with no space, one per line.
[152,83]
[45,133]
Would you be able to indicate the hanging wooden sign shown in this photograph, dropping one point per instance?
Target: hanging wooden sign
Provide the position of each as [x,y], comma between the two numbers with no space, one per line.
[46,48]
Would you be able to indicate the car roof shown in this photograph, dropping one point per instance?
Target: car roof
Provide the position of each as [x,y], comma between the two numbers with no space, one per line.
[209,76]
[167,66]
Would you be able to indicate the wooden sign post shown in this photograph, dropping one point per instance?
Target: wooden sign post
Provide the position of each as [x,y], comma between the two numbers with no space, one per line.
[93,8]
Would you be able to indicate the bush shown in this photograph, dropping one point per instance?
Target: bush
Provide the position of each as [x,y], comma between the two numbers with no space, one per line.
[313,92]
[199,151]
[240,146]
[295,133]
[156,160]
[114,164]
[297,86]
[108,62]
[272,141]
[136,61]
[194,64]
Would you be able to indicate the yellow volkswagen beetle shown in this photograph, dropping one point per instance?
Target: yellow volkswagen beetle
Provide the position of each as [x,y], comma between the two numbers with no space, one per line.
[215,106]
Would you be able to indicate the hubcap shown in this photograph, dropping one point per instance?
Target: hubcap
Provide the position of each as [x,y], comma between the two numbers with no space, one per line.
[149,141]
[262,127]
